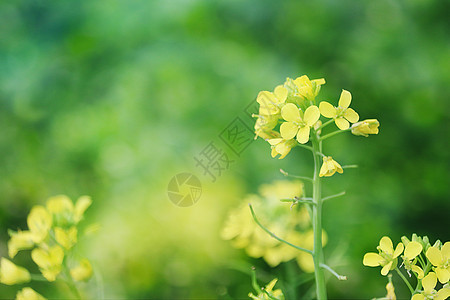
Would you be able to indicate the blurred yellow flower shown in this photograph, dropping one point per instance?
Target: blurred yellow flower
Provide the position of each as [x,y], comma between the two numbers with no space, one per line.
[82,204]
[342,114]
[28,294]
[429,283]
[49,261]
[387,256]
[270,102]
[12,274]
[298,124]
[329,167]
[21,240]
[66,238]
[269,294]
[39,222]
[83,271]
[390,290]
[366,127]
[412,249]
[308,89]
[441,261]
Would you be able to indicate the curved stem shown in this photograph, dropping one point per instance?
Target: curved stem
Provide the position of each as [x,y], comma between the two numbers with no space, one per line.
[332,134]
[295,176]
[339,277]
[274,236]
[318,257]
[325,124]
[405,280]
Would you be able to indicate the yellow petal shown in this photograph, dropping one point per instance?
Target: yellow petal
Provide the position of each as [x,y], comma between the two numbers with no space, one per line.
[280,93]
[39,222]
[398,250]
[59,204]
[290,112]
[82,204]
[21,240]
[12,274]
[303,135]
[66,238]
[386,245]
[442,294]
[351,115]
[372,259]
[275,141]
[288,130]
[413,249]
[342,123]
[418,270]
[445,251]
[385,270]
[28,294]
[327,110]
[434,256]
[302,81]
[312,114]
[271,284]
[418,297]
[83,271]
[283,150]
[429,282]
[337,166]
[345,99]
[442,274]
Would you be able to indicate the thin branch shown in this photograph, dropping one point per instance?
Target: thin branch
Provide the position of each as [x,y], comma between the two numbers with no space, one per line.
[306,147]
[334,196]
[405,280]
[325,124]
[273,235]
[295,176]
[350,167]
[339,277]
[332,134]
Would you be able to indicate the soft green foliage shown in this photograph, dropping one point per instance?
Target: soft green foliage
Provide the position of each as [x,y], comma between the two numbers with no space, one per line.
[113,98]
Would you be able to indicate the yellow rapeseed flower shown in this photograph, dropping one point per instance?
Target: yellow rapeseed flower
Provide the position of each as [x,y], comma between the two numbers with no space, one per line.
[306,88]
[12,274]
[387,256]
[429,283]
[21,240]
[66,238]
[441,261]
[366,127]
[329,167]
[264,126]
[83,271]
[270,103]
[28,293]
[342,114]
[281,147]
[412,249]
[276,294]
[49,261]
[39,222]
[298,123]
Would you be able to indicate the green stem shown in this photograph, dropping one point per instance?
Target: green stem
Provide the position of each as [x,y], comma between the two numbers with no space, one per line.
[295,176]
[332,134]
[333,196]
[70,283]
[339,277]
[325,124]
[405,280]
[318,257]
[274,236]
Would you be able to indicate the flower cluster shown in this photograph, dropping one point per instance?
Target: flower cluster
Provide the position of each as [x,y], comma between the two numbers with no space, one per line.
[290,115]
[429,263]
[292,225]
[52,233]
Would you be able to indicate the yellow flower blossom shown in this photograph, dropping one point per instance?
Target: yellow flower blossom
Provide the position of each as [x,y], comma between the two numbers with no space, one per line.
[342,114]
[276,294]
[21,240]
[29,294]
[298,124]
[264,126]
[49,261]
[64,212]
[441,261]
[39,222]
[387,256]
[66,238]
[12,274]
[270,103]
[329,167]
[429,283]
[281,147]
[81,205]
[366,127]
[83,271]
[412,249]
[308,89]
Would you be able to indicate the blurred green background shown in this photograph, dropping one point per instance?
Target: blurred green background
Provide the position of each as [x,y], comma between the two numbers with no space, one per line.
[113,98]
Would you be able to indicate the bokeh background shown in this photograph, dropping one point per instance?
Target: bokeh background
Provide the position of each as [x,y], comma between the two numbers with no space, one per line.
[113,98]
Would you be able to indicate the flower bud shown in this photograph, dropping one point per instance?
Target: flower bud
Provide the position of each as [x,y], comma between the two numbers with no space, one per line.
[366,127]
